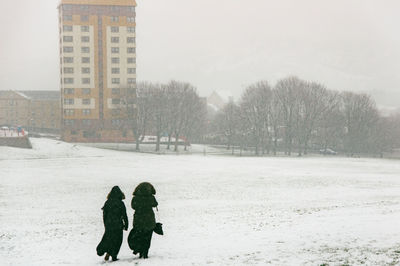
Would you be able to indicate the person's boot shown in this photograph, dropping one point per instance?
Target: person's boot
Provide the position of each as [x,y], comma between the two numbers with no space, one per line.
[145,255]
[140,255]
[114,258]
[107,257]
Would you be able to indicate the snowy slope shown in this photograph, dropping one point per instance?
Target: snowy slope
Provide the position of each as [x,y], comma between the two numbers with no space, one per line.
[215,210]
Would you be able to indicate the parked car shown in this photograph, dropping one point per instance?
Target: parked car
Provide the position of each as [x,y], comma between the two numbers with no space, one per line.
[327,152]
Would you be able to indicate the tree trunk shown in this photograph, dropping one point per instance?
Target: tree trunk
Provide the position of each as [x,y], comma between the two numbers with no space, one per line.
[169,140]
[137,144]
[176,141]
[158,140]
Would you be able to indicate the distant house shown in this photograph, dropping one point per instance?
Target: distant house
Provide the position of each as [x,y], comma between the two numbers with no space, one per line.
[218,99]
[37,111]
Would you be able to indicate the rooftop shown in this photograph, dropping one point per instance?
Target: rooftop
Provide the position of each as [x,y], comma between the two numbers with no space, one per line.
[41,95]
[99,2]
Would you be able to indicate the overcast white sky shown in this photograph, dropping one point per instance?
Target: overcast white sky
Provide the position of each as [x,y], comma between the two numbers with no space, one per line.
[226,44]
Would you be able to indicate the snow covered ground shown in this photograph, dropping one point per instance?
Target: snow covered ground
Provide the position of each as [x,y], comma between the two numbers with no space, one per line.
[216,210]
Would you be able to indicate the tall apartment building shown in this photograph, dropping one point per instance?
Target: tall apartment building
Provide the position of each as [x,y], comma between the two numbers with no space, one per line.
[98,68]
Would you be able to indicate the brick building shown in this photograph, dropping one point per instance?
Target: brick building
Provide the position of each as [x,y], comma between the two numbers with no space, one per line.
[97,66]
[37,111]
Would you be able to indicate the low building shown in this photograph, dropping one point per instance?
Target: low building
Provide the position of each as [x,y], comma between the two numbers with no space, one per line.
[14,109]
[37,111]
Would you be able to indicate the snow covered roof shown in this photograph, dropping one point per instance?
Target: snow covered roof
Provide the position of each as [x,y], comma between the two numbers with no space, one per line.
[41,95]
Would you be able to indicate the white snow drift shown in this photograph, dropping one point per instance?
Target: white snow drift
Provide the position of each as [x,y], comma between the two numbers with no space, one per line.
[215,210]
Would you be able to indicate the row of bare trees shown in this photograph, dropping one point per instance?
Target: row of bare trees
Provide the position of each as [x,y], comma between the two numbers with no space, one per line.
[172,110]
[299,116]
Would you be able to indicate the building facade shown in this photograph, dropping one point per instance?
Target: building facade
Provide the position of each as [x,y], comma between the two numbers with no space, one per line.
[36,111]
[98,69]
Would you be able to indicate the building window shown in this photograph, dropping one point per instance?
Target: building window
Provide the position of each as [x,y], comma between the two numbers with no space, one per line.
[67,7]
[68,59]
[131,29]
[115,80]
[86,101]
[67,18]
[86,91]
[89,134]
[131,50]
[86,122]
[115,70]
[68,80]
[85,59]
[85,39]
[68,122]
[115,91]
[86,111]
[68,101]
[85,28]
[130,40]
[115,122]
[84,7]
[115,101]
[85,80]
[131,70]
[115,39]
[69,70]
[114,19]
[114,50]
[67,38]
[84,18]
[68,49]
[67,28]
[131,80]
[132,8]
[69,91]
[130,19]
[115,111]
[114,29]
[131,60]
[85,70]
[85,49]
[69,112]
[115,60]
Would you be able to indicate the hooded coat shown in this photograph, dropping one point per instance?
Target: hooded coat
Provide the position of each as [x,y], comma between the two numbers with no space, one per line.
[144,222]
[115,220]
[143,202]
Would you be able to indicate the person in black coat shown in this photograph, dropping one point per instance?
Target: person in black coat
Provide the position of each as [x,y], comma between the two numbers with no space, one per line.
[115,221]
[144,222]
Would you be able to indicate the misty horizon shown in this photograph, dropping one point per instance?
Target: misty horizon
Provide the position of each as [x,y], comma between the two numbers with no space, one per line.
[345,45]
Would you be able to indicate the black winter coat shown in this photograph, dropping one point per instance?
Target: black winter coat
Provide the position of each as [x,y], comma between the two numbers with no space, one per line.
[115,220]
[144,219]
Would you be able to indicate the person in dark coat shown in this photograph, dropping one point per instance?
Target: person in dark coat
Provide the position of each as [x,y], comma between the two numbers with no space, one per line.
[144,222]
[115,221]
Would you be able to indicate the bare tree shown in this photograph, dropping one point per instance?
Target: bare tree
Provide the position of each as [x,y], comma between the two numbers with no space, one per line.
[314,102]
[275,118]
[255,105]
[226,123]
[157,95]
[287,92]
[360,116]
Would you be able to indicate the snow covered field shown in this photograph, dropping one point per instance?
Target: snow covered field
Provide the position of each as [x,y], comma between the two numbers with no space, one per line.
[216,210]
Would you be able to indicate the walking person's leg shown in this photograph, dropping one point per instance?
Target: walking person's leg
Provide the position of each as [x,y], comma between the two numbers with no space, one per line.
[147,243]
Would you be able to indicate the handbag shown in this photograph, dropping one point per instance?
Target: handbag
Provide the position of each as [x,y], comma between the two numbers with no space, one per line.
[158,229]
